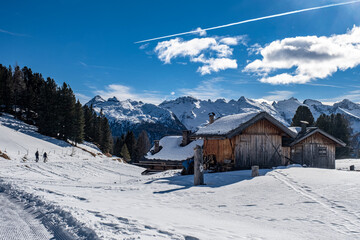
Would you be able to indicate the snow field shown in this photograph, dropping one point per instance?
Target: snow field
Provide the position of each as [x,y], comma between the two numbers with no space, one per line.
[84,197]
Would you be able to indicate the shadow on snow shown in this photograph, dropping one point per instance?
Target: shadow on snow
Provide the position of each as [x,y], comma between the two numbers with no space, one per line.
[211,180]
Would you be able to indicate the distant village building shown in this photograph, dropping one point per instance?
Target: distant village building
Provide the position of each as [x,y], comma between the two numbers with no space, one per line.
[170,152]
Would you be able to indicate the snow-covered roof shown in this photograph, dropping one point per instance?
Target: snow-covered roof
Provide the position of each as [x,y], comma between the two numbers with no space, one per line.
[295,129]
[226,124]
[172,151]
[234,124]
[312,130]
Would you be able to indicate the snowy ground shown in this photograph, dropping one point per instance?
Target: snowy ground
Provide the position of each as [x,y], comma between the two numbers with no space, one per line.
[344,164]
[19,224]
[97,197]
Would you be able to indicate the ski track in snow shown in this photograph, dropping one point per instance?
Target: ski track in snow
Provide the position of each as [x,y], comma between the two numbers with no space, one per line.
[352,220]
[17,223]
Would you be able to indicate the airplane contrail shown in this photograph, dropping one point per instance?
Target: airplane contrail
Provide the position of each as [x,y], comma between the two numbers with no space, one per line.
[251,20]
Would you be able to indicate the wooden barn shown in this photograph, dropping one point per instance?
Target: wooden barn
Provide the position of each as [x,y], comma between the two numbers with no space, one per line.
[314,148]
[242,140]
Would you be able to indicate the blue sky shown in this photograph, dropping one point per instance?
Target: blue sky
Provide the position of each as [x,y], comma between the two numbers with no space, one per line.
[91,46]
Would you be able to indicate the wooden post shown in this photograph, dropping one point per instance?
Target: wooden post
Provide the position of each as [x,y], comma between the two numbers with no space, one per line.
[198,166]
[254,171]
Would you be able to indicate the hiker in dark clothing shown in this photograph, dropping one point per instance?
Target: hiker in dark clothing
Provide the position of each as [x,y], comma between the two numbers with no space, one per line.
[37,156]
[45,156]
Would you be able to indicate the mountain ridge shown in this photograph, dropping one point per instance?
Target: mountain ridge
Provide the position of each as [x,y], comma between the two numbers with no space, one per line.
[186,112]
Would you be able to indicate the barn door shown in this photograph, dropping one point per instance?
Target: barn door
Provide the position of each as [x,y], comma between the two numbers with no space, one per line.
[242,157]
[297,154]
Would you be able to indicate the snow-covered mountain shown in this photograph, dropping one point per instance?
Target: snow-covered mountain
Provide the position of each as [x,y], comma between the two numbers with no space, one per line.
[193,112]
[137,116]
[173,115]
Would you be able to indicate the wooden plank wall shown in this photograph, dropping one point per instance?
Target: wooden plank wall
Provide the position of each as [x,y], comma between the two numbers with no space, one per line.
[255,146]
[307,152]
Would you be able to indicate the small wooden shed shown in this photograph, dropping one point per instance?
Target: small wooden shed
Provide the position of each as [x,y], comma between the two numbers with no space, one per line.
[315,148]
[242,140]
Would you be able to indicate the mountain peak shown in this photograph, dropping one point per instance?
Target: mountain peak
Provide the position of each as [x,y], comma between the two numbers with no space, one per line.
[96,99]
[312,102]
[347,104]
[113,99]
[242,99]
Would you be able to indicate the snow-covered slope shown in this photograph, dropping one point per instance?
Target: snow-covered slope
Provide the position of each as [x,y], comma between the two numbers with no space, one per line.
[136,116]
[78,196]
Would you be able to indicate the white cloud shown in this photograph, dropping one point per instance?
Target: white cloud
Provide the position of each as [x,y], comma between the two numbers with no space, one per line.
[216,64]
[82,98]
[232,41]
[143,46]
[123,92]
[353,96]
[213,52]
[208,89]
[312,57]
[172,93]
[278,96]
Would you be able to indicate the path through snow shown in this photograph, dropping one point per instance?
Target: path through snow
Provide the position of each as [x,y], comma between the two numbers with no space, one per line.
[16,222]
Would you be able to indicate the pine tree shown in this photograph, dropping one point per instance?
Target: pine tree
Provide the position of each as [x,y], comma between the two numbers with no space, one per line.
[125,153]
[338,126]
[118,144]
[130,141]
[8,90]
[142,146]
[48,120]
[79,123]
[97,131]
[324,123]
[19,88]
[3,77]
[106,141]
[89,123]
[66,113]
[302,113]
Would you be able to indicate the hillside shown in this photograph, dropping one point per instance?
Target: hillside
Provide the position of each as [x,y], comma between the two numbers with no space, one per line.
[80,196]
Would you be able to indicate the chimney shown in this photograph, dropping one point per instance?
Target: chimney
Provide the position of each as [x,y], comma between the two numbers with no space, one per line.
[211,117]
[156,146]
[303,126]
[185,137]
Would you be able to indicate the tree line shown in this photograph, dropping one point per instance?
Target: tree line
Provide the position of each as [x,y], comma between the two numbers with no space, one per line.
[53,109]
[335,124]
[130,148]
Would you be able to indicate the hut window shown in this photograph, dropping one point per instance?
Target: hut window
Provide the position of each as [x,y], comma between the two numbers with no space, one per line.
[322,151]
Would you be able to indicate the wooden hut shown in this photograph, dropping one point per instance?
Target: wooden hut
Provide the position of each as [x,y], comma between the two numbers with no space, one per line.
[242,140]
[314,148]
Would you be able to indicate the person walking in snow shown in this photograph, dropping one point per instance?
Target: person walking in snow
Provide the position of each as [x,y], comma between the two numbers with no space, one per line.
[37,156]
[45,156]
